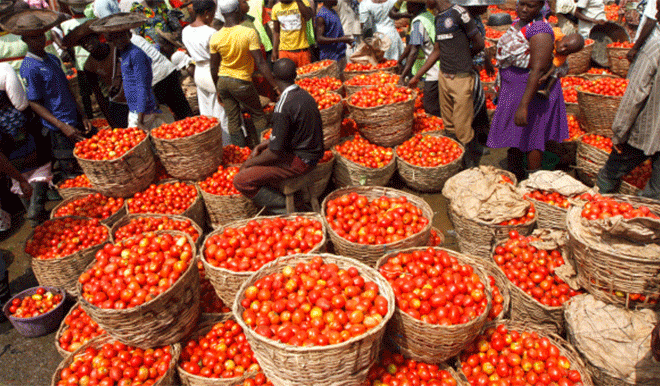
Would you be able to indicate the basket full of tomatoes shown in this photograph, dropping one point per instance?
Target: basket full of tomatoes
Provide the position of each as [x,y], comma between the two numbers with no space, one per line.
[331,108]
[36,311]
[76,329]
[384,113]
[427,160]
[318,69]
[157,302]
[592,153]
[599,101]
[617,57]
[393,367]
[134,224]
[387,219]
[169,197]
[60,249]
[357,83]
[75,187]
[223,202]
[117,162]
[579,62]
[354,69]
[231,255]
[107,210]
[360,162]
[432,323]
[189,149]
[333,342]
[122,364]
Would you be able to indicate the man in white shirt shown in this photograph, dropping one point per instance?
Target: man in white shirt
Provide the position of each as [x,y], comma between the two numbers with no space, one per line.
[589,13]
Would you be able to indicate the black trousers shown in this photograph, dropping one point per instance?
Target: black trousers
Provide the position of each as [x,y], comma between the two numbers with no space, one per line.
[169,92]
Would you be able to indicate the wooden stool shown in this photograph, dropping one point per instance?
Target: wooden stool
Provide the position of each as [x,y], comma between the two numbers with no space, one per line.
[290,186]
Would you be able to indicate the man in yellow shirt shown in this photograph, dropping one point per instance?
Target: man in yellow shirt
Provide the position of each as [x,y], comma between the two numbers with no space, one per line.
[234,51]
[290,31]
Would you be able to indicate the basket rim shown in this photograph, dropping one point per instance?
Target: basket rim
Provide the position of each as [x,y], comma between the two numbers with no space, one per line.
[433,133]
[366,71]
[306,74]
[387,292]
[122,157]
[336,153]
[198,197]
[592,94]
[24,293]
[413,95]
[188,137]
[131,216]
[31,235]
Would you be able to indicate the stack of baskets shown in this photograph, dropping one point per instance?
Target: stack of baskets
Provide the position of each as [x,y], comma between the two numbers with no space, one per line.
[598,111]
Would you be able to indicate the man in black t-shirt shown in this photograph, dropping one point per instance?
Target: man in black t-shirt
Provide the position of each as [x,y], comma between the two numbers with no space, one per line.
[455,29]
[294,148]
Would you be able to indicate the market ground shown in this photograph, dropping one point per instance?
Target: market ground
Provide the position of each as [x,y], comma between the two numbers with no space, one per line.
[32,361]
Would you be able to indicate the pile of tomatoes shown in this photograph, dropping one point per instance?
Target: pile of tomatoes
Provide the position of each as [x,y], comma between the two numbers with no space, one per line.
[223,352]
[100,123]
[600,207]
[429,151]
[326,83]
[185,127]
[550,198]
[249,247]
[435,238]
[348,127]
[80,181]
[380,95]
[258,380]
[375,79]
[368,67]
[599,71]
[568,88]
[394,369]
[236,155]
[140,225]
[117,364]
[598,141]
[313,304]
[382,220]
[168,198]
[109,144]
[612,12]
[493,33]
[325,100]
[574,128]
[39,303]
[365,153]
[423,122]
[327,156]
[221,183]
[306,69]
[94,205]
[80,329]
[606,86]
[136,270]
[209,302]
[490,105]
[532,270]
[487,78]
[529,216]
[61,237]
[432,286]
[640,175]
[507,357]
[620,45]
[498,300]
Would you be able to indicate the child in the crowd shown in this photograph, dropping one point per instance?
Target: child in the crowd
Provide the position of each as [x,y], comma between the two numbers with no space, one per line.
[330,34]
[564,46]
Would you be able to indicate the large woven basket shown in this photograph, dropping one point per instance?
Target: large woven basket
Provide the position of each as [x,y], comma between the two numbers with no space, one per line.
[501,281]
[589,160]
[628,189]
[63,272]
[226,282]
[332,71]
[63,327]
[369,254]
[320,176]
[388,125]
[352,74]
[224,209]
[128,218]
[73,192]
[598,111]
[109,221]
[195,211]
[164,320]
[166,380]
[345,363]
[608,274]
[429,179]
[618,62]
[578,62]
[123,176]
[191,158]
[549,216]
[349,173]
[433,343]
[331,120]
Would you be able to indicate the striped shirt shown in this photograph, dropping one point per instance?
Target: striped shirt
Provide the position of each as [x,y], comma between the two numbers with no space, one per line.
[637,120]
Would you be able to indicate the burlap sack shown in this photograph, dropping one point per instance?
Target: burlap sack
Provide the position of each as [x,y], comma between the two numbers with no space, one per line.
[614,340]
[555,181]
[551,239]
[371,50]
[480,195]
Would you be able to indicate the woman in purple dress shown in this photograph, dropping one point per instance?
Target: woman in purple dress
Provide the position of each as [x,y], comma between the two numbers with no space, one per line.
[523,120]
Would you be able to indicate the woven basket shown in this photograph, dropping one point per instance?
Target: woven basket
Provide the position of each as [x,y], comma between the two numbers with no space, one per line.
[164,320]
[224,209]
[195,211]
[604,272]
[320,176]
[589,76]
[194,157]
[63,327]
[63,272]
[121,212]
[628,189]
[369,254]
[332,71]
[618,62]
[578,62]
[123,176]
[549,216]
[589,160]
[489,267]
[433,343]
[166,380]
[352,89]
[429,179]
[598,112]
[352,74]
[345,363]
[127,219]
[388,125]
[572,108]
[565,348]
[349,173]
[331,120]
[226,282]
[66,193]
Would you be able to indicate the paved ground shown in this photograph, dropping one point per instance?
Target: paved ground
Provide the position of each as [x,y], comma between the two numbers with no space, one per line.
[32,361]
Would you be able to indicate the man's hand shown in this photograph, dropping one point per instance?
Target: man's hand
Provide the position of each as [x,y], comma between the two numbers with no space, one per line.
[258,149]
[26,189]
[412,83]
[631,54]
[72,133]
[521,116]
[89,128]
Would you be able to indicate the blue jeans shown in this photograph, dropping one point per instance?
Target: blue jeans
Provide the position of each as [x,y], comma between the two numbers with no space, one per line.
[620,164]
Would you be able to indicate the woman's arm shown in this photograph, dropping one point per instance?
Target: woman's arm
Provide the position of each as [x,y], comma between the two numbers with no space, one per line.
[540,59]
